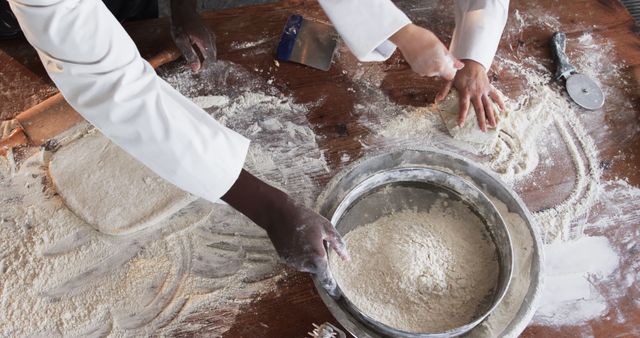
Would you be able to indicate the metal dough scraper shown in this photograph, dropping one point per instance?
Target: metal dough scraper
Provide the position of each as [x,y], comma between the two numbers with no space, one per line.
[581,88]
[308,42]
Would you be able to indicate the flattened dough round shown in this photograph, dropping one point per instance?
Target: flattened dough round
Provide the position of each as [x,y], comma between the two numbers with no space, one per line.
[470,132]
[109,189]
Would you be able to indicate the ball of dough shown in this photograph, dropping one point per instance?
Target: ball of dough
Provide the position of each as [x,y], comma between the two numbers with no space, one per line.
[470,132]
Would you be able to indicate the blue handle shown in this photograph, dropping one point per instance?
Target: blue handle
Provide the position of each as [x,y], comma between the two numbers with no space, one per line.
[289,35]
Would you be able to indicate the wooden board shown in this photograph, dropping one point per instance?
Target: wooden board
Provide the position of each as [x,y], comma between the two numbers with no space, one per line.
[293,306]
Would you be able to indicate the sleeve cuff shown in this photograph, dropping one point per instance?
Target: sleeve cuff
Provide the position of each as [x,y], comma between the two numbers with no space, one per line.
[366,25]
[381,52]
[479,26]
[234,168]
[96,66]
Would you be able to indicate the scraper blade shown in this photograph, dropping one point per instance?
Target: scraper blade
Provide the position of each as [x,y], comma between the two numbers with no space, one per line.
[308,42]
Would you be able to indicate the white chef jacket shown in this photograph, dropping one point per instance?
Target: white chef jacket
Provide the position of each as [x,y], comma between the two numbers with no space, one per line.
[97,68]
[366,25]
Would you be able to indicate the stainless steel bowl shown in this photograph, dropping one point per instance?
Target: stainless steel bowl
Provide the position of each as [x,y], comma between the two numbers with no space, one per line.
[418,188]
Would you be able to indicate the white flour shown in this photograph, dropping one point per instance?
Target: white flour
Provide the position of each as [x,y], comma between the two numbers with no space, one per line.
[588,278]
[206,102]
[517,154]
[585,279]
[545,132]
[61,277]
[572,268]
[284,150]
[420,272]
[248,44]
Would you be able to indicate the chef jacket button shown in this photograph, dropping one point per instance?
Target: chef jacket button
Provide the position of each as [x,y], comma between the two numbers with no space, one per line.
[54,67]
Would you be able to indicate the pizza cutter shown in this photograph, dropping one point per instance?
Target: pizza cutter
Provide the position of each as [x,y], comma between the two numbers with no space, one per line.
[581,88]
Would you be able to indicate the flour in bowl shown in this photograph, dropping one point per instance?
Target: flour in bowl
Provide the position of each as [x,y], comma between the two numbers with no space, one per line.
[420,271]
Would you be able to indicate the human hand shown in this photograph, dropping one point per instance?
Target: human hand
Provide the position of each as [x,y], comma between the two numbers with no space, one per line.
[474,88]
[297,233]
[424,52]
[188,30]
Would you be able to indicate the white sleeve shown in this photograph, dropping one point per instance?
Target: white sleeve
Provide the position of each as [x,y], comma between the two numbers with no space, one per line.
[479,26]
[366,25]
[97,68]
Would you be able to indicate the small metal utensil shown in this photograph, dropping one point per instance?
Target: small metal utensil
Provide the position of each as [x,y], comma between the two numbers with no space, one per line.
[308,42]
[326,330]
[581,88]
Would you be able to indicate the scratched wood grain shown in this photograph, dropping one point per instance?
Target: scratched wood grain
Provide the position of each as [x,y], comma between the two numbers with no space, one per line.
[290,309]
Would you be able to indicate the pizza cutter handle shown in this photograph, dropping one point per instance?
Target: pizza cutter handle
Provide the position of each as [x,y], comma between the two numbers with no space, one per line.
[558,45]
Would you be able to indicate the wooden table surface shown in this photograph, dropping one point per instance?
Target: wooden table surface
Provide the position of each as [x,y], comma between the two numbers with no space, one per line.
[290,310]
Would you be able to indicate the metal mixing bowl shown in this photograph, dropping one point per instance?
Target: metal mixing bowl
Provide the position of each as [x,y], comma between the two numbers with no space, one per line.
[416,188]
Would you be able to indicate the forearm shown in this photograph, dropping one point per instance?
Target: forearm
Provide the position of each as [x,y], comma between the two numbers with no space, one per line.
[99,71]
[253,198]
[366,25]
[479,26]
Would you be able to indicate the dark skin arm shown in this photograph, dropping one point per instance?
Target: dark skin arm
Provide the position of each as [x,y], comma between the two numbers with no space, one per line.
[195,41]
[297,233]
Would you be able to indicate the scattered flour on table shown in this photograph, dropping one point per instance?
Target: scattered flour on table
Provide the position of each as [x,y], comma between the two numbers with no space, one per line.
[593,58]
[206,102]
[585,277]
[518,151]
[593,276]
[534,17]
[569,295]
[344,158]
[63,276]
[284,150]
[516,154]
[544,129]
[420,272]
[247,44]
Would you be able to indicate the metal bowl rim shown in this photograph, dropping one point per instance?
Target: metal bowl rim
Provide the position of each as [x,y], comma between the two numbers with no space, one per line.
[356,192]
[524,313]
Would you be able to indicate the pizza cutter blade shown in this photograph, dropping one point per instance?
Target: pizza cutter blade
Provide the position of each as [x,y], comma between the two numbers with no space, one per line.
[581,88]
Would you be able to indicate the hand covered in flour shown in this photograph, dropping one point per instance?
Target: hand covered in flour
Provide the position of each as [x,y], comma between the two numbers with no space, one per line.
[425,52]
[188,31]
[474,88]
[297,233]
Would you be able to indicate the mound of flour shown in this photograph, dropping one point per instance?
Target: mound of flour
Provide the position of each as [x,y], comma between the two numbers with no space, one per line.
[419,272]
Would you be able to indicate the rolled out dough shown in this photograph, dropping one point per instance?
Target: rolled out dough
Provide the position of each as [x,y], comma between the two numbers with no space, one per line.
[470,132]
[109,189]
